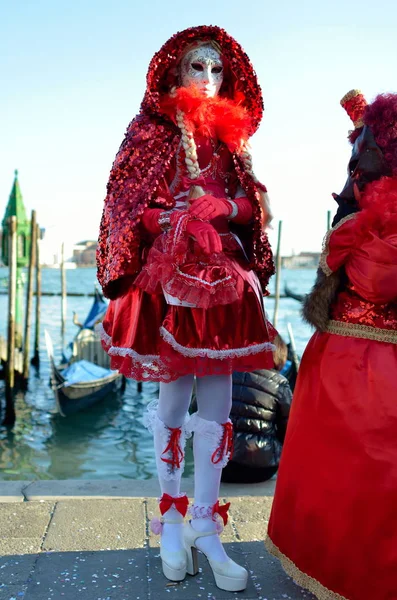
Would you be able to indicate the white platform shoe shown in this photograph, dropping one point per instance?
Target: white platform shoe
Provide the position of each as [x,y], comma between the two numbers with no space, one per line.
[174,562]
[169,443]
[228,575]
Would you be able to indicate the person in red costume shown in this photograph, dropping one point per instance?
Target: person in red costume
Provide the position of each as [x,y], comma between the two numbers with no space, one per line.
[184,257]
[333,523]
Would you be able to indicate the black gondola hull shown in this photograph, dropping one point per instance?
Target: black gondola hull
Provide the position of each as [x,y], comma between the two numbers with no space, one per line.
[76,397]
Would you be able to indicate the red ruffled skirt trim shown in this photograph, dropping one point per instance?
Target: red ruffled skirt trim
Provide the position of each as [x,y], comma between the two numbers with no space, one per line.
[149,340]
[173,362]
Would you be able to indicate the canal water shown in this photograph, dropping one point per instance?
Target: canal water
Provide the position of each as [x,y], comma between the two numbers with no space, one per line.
[108,441]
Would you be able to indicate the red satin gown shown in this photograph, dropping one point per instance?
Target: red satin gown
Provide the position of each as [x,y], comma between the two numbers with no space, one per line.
[334,519]
[148,339]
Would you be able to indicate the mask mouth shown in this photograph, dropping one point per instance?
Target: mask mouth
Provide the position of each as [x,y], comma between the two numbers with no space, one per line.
[207,90]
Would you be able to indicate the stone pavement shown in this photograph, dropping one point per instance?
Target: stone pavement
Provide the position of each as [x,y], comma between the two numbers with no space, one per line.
[90,540]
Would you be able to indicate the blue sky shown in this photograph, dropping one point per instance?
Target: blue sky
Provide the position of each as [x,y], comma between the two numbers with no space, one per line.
[73,75]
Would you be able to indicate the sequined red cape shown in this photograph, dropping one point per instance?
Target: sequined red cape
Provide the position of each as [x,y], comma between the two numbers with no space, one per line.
[145,155]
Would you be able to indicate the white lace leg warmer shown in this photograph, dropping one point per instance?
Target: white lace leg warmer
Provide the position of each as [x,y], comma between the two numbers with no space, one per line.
[169,445]
[218,438]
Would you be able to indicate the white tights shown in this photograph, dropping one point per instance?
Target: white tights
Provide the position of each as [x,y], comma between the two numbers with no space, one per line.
[214,398]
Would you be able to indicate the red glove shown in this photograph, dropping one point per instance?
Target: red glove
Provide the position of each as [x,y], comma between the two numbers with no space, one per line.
[207,208]
[206,236]
[150,220]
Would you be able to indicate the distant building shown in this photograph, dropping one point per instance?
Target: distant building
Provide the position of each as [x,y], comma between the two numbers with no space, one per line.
[84,253]
[303,260]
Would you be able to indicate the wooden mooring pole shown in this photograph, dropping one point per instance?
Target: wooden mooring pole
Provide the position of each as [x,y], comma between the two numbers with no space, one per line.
[9,418]
[29,297]
[278,275]
[63,294]
[36,355]
[293,347]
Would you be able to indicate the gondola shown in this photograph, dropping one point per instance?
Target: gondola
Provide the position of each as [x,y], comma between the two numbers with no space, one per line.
[84,377]
[95,314]
[290,294]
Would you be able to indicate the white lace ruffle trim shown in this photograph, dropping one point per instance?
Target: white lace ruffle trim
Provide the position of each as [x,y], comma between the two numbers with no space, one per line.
[205,511]
[153,362]
[150,415]
[209,352]
[213,432]
[145,359]
[104,336]
[201,511]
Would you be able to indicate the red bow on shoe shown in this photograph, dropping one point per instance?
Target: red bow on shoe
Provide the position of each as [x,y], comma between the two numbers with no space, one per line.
[181,504]
[221,511]
[174,448]
[226,445]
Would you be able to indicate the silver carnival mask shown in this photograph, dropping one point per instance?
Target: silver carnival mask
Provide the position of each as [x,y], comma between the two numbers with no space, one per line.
[202,68]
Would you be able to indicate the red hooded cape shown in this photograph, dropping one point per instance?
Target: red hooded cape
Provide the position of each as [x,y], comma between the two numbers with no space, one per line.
[146,153]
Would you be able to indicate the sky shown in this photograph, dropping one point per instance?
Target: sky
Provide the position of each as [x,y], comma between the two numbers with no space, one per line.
[72,76]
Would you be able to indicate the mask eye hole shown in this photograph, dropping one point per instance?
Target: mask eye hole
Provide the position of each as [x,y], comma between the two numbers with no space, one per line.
[197,67]
[216,70]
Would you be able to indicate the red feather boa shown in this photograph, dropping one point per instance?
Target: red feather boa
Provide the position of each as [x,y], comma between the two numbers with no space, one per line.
[379,209]
[218,118]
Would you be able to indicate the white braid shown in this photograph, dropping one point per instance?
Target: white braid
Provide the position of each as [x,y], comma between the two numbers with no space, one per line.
[191,160]
[246,158]
[193,168]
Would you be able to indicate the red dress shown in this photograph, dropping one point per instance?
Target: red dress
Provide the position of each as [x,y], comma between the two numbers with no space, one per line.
[334,518]
[150,339]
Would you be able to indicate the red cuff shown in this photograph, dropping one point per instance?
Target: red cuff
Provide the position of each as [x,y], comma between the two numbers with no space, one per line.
[244,214]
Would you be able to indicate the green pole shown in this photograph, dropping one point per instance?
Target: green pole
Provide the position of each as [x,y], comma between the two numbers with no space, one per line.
[9,418]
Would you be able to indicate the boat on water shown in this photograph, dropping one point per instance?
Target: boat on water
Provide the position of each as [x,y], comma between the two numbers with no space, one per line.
[291,294]
[83,378]
[67,265]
